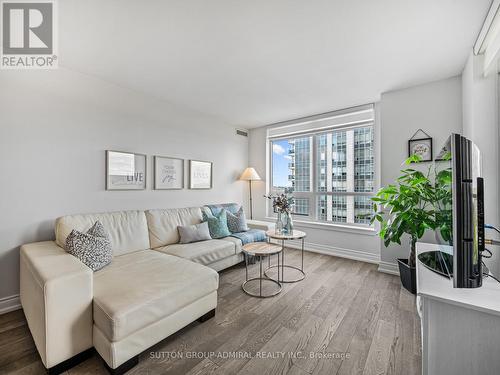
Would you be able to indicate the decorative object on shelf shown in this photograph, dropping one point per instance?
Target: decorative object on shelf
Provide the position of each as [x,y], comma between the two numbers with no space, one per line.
[125,171]
[283,204]
[420,146]
[169,173]
[250,174]
[417,202]
[200,174]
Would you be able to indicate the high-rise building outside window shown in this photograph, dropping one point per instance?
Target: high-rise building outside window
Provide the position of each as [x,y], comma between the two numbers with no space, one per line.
[330,172]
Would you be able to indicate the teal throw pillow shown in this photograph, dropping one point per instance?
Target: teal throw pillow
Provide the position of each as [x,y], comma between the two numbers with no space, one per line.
[217,225]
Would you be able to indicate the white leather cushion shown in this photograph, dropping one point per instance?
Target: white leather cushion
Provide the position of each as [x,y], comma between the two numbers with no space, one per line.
[127,230]
[204,252]
[163,224]
[141,288]
[236,241]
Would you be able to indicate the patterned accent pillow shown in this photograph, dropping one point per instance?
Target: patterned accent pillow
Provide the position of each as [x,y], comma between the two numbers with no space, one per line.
[217,225]
[237,222]
[92,248]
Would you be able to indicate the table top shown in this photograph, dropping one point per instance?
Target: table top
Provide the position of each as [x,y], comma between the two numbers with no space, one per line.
[261,248]
[295,235]
[431,285]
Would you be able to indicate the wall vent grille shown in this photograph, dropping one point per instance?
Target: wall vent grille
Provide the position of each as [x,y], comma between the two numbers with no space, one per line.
[242,132]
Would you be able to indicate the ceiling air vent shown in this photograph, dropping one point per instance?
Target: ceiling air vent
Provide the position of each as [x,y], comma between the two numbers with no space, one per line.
[242,132]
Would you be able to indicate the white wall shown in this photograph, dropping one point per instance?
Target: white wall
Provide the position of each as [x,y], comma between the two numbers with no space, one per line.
[480,113]
[435,107]
[54,129]
[347,243]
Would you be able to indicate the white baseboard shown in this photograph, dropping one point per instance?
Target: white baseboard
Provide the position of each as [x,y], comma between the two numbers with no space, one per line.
[8,304]
[336,251]
[391,268]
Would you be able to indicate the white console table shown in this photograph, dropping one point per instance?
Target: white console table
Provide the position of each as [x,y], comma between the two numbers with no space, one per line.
[460,327]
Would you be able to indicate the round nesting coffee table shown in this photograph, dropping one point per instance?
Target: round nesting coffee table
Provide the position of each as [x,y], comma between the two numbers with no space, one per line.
[260,250]
[295,235]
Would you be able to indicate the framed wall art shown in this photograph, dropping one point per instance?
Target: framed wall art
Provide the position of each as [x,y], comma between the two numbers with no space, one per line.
[169,173]
[200,174]
[421,146]
[125,170]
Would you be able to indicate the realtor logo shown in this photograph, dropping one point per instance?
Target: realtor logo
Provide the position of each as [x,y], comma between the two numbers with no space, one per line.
[28,35]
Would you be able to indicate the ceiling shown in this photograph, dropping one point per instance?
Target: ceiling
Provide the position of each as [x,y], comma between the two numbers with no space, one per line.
[256,62]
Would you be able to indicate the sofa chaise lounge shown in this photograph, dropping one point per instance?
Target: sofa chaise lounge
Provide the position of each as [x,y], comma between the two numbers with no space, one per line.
[153,287]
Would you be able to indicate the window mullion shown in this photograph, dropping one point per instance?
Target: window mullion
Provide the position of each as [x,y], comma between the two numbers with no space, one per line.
[313,175]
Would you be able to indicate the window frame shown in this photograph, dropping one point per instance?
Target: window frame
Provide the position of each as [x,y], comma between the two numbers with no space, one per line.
[313,195]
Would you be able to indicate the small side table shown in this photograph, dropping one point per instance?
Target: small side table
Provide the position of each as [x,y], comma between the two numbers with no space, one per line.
[260,250]
[295,235]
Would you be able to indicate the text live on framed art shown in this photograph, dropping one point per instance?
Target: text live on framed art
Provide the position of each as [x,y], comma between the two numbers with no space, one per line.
[125,171]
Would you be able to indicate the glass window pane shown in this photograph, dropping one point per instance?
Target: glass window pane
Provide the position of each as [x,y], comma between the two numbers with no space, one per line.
[321,162]
[363,159]
[321,208]
[283,165]
[301,206]
[339,161]
[363,207]
[292,164]
[339,209]
[300,157]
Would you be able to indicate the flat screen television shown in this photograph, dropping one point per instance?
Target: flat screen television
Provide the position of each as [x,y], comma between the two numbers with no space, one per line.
[461,157]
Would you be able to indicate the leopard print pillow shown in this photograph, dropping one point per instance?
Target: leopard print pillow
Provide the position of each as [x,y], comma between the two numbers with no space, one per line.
[92,248]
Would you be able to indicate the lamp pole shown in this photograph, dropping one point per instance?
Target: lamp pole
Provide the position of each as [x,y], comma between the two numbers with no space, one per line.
[250,174]
[251,205]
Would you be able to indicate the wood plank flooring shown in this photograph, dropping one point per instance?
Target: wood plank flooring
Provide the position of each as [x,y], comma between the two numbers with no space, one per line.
[345,317]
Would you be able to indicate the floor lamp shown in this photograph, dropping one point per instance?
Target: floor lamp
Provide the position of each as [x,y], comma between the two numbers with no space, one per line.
[250,174]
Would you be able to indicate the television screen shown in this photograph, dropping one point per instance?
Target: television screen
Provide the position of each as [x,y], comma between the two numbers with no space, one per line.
[460,196]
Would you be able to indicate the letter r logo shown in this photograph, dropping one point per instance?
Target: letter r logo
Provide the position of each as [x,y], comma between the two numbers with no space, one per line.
[27,28]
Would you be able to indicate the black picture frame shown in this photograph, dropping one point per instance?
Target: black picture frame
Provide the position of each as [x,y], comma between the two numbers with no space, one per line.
[428,140]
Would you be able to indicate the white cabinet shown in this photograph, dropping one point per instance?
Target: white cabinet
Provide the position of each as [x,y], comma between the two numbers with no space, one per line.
[460,327]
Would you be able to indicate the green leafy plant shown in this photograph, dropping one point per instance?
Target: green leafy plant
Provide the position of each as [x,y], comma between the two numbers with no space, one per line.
[416,202]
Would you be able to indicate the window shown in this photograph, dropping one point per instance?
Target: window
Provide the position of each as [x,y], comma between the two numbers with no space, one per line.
[330,172]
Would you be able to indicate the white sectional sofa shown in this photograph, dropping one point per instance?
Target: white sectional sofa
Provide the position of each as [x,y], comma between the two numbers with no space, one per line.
[153,287]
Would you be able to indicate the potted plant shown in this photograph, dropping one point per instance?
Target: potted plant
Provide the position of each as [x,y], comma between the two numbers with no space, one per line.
[417,202]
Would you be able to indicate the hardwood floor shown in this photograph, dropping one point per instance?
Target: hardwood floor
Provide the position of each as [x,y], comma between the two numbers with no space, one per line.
[345,317]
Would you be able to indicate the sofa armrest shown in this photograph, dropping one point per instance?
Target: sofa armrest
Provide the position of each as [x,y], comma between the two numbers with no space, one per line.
[56,295]
[260,224]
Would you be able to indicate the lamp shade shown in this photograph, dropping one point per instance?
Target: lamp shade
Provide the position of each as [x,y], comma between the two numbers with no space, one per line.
[250,174]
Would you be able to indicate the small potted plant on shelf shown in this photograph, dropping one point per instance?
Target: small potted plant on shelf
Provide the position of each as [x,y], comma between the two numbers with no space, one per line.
[283,205]
[417,202]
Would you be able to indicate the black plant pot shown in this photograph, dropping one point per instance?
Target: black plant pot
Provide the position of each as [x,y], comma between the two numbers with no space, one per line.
[408,276]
